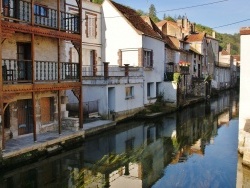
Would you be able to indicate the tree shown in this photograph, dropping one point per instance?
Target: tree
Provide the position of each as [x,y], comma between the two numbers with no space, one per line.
[169,18]
[152,13]
[97,1]
[141,12]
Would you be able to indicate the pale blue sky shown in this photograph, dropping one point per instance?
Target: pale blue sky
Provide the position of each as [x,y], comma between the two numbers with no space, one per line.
[220,13]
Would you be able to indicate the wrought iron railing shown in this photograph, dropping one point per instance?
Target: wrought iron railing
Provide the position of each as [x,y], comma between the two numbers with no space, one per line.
[22,71]
[43,15]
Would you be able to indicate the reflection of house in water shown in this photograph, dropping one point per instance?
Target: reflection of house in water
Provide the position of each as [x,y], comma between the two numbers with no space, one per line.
[134,154]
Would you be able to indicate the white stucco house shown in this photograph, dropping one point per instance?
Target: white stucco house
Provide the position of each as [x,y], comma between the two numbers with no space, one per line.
[244,113]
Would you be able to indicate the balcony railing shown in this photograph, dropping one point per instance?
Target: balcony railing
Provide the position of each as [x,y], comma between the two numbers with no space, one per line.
[113,71]
[21,71]
[43,16]
[184,69]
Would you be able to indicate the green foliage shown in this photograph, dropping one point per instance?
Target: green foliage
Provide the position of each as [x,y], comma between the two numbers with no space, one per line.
[141,12]
[97,1]
[152,13]
[169,18]
[224,38]
[177,77]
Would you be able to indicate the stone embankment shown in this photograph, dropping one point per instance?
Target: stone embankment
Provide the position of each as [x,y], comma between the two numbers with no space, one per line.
[244,144]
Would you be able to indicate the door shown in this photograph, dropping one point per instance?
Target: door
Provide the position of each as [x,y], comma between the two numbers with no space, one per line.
[93,62]
[24,61]
[111,99]
[46,106]
[24,115]
[199,70]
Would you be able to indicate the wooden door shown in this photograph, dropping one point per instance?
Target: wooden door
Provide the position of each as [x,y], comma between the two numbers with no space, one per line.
[24,114]
[45,107]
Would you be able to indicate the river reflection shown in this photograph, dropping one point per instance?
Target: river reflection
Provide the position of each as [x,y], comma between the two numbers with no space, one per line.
[196,147]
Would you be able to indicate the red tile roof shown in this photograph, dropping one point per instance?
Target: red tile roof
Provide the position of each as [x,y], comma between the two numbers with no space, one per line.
[237,57]
[224,52]
[143,24]
[134,18]
[195,37]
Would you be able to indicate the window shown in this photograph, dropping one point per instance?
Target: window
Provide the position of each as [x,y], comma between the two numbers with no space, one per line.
[150,89]
[148,58]
[158,88]
[129,144]
[129,92]
[40,10]
[91,25]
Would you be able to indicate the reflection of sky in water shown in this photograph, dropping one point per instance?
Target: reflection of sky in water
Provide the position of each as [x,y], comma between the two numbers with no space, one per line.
[217,168]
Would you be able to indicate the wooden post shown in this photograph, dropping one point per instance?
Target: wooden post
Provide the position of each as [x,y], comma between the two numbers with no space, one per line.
[80,70]
[59,112]
[1,85]
[106,70]
[126,69]
[33,82]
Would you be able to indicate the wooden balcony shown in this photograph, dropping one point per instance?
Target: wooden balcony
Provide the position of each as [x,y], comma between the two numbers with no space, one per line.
[18,16]
[21,71]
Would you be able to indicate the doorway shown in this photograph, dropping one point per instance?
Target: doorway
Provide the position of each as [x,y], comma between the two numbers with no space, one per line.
[25,116]
[111,99]
[24,61]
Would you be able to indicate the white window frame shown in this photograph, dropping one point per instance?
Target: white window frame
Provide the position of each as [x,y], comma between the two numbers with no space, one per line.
[91,25]
[148,58]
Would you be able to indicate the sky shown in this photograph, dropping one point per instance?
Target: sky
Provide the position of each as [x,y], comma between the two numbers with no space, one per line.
[224,16]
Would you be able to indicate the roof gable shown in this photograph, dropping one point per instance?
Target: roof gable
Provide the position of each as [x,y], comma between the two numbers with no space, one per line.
[195,37]
[137,22]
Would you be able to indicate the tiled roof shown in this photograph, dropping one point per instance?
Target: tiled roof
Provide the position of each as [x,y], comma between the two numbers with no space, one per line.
[161,23]
[165,38]
[134,18]
[224,52]
[195,37]
[237,57]
[194,50]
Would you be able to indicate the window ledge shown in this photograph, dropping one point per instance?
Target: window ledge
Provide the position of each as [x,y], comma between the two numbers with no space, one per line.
[148,68]
[131,97]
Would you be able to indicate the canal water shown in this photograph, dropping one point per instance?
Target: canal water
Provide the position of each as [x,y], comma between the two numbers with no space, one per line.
[195,147]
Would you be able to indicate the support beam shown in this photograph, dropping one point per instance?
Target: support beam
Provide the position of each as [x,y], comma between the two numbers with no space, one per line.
[80,70]
[34,116]
[33,82]
[1,84]
[59,112]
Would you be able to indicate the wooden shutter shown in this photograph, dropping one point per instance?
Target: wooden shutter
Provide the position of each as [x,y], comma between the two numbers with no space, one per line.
[140,57]
[87,28]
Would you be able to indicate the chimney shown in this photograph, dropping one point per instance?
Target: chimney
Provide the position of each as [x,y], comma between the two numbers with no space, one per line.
[213,34]
[229,48]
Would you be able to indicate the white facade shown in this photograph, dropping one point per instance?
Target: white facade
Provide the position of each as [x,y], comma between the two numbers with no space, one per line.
[244,113]
[120,35]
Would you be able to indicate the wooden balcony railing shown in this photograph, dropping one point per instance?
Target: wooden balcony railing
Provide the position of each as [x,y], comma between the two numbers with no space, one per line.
[43,15]
[22,71]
